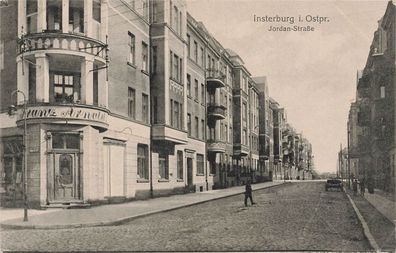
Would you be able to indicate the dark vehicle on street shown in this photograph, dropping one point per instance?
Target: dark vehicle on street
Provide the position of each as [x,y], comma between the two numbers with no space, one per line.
[333,183]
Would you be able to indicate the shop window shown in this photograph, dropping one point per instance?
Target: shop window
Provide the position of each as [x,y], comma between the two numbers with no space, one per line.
[54,15]
[65,141]
[142,160]
[11,171]
[163,166]
[66,87]
[180,168]
[200,164]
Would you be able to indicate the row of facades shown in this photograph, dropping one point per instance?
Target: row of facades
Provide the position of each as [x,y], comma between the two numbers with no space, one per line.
[132,99]
[371,122]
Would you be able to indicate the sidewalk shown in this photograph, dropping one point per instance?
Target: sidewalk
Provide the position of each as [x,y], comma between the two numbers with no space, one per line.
[116,214]
[383,204]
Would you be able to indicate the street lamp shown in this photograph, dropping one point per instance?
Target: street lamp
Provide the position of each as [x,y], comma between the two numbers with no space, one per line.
[11,110]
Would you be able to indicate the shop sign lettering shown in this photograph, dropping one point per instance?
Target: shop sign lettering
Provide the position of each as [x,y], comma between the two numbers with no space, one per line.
[65,113]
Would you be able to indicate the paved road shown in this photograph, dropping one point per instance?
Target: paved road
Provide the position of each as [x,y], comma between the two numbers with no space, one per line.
[298,216]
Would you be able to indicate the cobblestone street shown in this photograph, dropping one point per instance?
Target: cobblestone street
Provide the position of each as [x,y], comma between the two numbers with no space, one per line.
[297,216]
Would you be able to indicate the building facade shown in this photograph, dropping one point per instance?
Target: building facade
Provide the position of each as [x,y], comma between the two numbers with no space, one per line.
[124,100]
[371,122]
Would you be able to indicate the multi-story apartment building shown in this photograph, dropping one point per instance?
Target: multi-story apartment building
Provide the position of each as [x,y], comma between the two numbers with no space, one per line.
[265,129]
[87,122]
[371,123]
[279,120]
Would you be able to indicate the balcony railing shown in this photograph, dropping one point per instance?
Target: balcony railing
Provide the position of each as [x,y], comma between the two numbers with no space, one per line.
[61,41]
[217,111]
[215,78]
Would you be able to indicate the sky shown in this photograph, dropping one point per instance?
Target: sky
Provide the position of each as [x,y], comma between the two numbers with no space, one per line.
[311,74]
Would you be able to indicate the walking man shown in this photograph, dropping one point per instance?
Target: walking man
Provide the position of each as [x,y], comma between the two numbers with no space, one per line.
[362,187]
[248,193]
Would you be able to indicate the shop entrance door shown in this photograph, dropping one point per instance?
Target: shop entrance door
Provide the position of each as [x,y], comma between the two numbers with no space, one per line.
[66,177]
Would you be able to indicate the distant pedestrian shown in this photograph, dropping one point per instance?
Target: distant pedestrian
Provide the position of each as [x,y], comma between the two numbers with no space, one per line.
[354,185]
[362,187]
[248,193]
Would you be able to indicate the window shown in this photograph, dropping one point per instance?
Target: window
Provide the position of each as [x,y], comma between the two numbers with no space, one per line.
[202,57]
[66,87]
[202,93]
[225,132]
[175,24]
[163,166]
[196,89]
[142,161]
[171,112]
[230,138]
[131,48]
[177,116]
[188,45]
[382,91]
[244,137]
[180,164]
[76,17]
[200,164]
[244,111]
[65,141]
[145,107]
[189,124]
[154,12]
[95,87]
[131,103]
[54,15]
[144,57]
[176,67]
[32,83]
[145,9]
[188,85]
[221,131]
[196,127]
[31,16]
[203,129]
[154,60]
[195,51]
[96,11]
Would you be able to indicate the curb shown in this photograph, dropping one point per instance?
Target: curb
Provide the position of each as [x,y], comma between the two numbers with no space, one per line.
[122,220]
[366,229]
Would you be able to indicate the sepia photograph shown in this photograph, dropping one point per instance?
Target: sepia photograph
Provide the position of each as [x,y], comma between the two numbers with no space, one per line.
[197,125]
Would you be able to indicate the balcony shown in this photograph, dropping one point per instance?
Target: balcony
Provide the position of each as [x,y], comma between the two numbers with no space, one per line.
[169,134]
[215,79]
[58,42]
[216,146]
[216,111]
[240,150]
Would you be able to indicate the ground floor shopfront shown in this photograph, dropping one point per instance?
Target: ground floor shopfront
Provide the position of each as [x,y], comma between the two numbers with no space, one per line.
[100,159]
